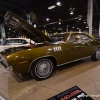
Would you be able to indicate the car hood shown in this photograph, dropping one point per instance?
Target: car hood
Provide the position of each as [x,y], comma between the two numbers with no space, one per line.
[20,25]
[9,51]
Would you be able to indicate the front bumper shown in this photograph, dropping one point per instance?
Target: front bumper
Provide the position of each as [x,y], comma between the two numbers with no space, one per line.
[4,63]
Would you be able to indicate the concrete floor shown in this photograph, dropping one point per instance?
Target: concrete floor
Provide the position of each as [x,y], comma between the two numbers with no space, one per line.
[85,74]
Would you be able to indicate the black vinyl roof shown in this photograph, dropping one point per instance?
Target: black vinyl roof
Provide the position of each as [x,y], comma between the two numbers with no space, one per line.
[59,13]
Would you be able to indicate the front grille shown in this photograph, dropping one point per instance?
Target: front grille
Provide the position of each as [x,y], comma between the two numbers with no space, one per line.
[3,65]
[3,61]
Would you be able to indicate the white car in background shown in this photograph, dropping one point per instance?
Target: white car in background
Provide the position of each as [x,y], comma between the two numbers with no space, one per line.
[15,42]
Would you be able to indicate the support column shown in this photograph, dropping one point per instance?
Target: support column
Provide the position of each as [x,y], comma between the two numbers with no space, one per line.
[67,28]
[90,15]
[3,35]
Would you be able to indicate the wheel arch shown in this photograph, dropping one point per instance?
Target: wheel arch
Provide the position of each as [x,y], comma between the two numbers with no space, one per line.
[96,49]
[52,58]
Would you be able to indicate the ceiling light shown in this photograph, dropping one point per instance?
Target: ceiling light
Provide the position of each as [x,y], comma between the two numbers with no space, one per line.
[79,18]
[73,27]
[9,29]
[58,4]
[44,26]
[47,19]
[87,26]
[34,25]
[71,12]
[59,23]
[84,22]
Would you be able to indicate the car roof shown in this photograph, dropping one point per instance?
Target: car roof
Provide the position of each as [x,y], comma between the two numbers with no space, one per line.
[17,38]
[77,33]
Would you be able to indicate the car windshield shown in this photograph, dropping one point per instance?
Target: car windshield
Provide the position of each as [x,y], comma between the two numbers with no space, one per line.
[60,37]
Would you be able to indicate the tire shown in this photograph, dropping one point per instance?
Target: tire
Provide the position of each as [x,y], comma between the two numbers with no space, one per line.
[42,69]
[96,55]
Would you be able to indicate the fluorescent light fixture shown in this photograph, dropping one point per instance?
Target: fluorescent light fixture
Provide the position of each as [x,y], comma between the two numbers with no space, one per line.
[51,7]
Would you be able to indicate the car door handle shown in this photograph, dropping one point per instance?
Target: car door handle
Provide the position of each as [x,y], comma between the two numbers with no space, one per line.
[76,47]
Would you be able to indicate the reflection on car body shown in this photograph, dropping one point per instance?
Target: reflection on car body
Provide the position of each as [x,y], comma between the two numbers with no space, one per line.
[41,59]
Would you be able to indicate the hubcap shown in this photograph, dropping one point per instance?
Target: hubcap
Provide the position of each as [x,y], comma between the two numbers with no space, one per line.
[43,68]
[98,54]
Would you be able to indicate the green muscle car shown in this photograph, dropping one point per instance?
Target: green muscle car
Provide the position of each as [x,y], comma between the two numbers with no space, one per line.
[48,52]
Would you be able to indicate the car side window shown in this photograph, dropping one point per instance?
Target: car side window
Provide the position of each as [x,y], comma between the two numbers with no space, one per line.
[85,39]
[74,38]
[24,42]
[13,42]
[78,38]
[21,41]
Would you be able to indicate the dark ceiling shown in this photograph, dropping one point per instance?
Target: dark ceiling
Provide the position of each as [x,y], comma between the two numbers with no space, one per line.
[59,13]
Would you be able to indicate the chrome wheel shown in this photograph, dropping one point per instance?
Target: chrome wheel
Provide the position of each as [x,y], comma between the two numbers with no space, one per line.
[42,69]
[98,54]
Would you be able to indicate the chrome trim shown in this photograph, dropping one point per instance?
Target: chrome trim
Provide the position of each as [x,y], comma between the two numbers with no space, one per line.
[39,58]
[10,68]
[4,63]
[74,60]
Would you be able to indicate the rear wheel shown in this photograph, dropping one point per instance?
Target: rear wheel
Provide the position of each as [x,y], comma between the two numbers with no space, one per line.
[96,55]
[42,69]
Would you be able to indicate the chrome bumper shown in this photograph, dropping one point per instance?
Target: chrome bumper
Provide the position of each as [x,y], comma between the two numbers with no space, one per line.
[4,63]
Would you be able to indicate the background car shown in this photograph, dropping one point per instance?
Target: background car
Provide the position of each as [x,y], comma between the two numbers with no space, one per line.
[15,42]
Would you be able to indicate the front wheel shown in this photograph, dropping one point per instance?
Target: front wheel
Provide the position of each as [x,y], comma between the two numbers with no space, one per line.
[42,69]
[96,55]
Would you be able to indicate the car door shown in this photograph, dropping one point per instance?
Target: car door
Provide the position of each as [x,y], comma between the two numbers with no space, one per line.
[73,49]
[87,47]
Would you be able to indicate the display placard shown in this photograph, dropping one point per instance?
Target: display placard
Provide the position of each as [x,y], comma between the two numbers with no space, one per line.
[74,93]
